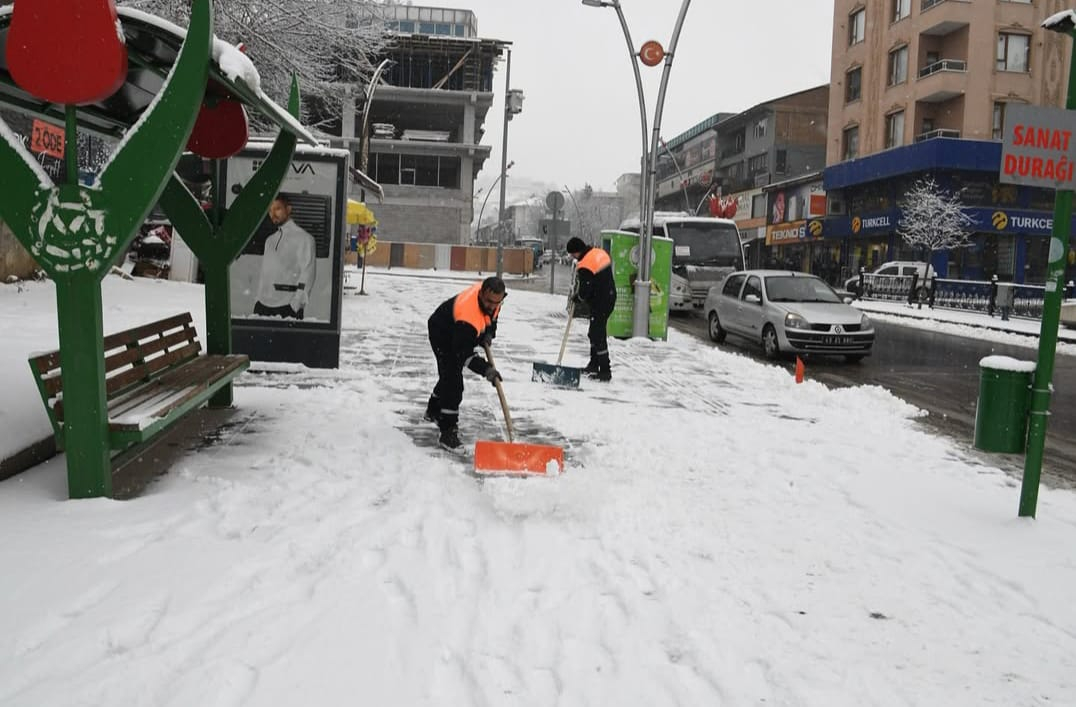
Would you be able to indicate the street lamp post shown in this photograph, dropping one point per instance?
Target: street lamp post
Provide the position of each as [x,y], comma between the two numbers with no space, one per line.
[641,308]
[364,153]
[679,172]
[513,104]
[633,54]
[504,170]
[1065,23]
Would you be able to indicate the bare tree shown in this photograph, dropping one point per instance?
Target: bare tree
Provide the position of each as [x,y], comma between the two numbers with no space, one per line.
[933,219]
[328,44]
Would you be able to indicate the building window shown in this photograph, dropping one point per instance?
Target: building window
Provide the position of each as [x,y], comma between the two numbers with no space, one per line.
[898,65]
[780,161]
[894,129]
[850,148]
[997,130]
[756,164]
[758,206]
[1013,52]
[760,129]
[901,9]
[857,26]
[853,84]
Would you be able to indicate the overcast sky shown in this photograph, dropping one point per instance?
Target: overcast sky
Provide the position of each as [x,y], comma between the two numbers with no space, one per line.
[580,120]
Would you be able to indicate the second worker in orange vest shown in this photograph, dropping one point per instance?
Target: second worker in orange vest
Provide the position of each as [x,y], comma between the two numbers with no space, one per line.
[595,286]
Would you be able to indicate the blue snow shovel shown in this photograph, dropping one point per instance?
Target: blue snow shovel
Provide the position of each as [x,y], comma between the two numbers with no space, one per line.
[556,374]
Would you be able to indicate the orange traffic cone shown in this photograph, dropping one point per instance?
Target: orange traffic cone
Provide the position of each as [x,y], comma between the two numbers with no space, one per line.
[799,369]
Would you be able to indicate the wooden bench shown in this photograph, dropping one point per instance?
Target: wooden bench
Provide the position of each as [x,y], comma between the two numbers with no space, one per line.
[154,374]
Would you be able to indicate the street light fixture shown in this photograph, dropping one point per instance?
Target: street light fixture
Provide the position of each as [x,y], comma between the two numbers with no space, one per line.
[641,308]
[1063,22]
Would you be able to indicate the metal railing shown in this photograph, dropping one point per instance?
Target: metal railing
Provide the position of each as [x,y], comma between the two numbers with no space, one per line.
[944,65]
[941,132]
[965,295]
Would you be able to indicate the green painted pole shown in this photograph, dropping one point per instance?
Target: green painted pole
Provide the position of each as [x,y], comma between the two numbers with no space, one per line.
[218,320]
[78,305]
[1051,317]
[71,143]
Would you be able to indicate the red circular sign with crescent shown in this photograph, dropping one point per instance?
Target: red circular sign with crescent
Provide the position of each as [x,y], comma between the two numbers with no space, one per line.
[651,53]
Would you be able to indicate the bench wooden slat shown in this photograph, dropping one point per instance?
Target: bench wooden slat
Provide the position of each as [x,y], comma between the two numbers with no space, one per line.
[128,356]
[173,396]
[122,338]
[175,378]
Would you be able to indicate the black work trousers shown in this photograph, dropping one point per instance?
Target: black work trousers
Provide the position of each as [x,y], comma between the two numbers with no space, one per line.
[599,339]
[448,391]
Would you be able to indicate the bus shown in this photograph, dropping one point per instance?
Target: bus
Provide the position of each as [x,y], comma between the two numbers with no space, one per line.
[705,250]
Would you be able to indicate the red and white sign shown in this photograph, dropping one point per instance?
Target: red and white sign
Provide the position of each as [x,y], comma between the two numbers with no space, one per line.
[651,53]
[1038,149]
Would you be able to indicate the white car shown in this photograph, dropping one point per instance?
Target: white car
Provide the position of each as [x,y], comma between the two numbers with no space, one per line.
[788,313]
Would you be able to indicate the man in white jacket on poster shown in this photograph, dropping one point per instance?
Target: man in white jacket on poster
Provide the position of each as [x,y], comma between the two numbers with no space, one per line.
[288,266]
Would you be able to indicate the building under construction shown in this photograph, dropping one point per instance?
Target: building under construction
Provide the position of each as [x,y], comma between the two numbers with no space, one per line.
[425,124]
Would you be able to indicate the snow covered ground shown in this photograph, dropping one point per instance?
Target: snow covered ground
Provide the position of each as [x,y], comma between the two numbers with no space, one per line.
[722,535]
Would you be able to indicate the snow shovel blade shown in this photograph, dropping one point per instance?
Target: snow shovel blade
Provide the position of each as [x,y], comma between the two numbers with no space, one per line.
[564,376]
[517,459]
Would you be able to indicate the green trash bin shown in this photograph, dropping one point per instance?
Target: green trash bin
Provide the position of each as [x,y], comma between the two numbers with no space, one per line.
[1004,401]
[623,248]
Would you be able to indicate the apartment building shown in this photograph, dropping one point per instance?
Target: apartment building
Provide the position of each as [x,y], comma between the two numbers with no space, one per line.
[921,87]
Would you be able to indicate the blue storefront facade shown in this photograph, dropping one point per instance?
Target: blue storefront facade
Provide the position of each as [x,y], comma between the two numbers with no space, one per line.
[1011,235]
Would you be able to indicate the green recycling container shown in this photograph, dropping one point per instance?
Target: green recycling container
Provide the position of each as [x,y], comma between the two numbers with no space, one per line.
[1004,401]
[623,249]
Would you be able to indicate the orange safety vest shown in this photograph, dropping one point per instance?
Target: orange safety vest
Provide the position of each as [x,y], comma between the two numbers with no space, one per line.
[595,260]
[466,309]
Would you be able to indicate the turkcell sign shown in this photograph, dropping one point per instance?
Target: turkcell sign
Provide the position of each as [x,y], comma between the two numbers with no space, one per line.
[1038,149]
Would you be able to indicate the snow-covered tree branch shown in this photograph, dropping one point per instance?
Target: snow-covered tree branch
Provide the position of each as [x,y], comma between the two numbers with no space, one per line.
[328,44]
[932,219]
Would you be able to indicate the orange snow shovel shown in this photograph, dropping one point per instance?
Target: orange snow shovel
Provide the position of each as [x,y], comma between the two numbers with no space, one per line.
[515,458]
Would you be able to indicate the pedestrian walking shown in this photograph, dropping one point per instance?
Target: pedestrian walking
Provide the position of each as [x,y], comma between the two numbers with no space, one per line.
[595,287]
[459,326]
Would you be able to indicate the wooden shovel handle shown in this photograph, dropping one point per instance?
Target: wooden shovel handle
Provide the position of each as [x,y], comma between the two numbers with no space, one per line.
[500,394]
[564,341]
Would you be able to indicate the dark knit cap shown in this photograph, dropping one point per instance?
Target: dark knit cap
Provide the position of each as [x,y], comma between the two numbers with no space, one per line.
[575,245]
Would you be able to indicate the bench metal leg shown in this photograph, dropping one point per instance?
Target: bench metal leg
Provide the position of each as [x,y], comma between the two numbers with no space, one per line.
[78,304]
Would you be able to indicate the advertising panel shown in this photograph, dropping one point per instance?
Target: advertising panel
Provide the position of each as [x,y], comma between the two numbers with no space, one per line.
[287,283]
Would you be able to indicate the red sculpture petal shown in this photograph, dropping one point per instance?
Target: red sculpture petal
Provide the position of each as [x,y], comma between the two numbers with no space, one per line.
[221,129]
[66,51]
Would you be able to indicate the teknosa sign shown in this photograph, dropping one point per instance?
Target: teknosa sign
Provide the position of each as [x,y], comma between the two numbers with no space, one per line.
[1039,147]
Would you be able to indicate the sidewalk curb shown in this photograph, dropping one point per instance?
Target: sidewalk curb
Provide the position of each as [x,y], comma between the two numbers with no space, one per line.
[1069,337]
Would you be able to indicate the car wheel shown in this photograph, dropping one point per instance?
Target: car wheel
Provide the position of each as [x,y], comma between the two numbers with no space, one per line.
[717,332]
[769,342]
[922,294]
[853,358]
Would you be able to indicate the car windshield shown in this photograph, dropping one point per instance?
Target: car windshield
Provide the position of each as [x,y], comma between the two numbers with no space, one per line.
[786,288]
[702,243]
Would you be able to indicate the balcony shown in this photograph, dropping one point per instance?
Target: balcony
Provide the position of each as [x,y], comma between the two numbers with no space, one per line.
[940,132]
[942,80]
[945,16]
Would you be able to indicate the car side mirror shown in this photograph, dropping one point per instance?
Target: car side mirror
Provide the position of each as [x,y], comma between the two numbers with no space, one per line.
[752,299]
